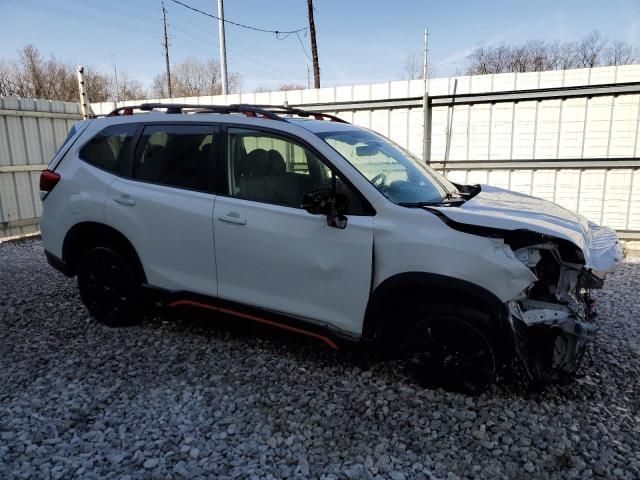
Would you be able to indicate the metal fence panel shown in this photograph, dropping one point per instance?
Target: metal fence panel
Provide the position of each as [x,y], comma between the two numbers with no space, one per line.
[30,132]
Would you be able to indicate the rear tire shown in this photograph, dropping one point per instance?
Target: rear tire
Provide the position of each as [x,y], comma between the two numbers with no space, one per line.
[452,347]
[110,287]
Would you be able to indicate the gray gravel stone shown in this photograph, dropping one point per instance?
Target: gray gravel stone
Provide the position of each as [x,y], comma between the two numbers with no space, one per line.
[150,463]
[186,397]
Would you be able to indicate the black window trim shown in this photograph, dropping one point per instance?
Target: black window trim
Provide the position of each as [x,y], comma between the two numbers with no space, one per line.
[211,189]
[222,186]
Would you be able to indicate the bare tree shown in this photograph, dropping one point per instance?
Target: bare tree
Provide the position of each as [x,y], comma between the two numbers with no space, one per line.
[484,60]
[129,88]
[589,50]
[291,86]
[31,75]
[478,61]
[100,87]
[538,55]
[567,56]
[8,80]
[412,68]
[193,77]
[621,53]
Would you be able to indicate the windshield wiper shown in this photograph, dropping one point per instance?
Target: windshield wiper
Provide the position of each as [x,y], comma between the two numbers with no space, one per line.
[447,199]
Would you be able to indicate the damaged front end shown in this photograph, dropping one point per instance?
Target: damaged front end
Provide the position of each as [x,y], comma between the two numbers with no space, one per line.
[553,319]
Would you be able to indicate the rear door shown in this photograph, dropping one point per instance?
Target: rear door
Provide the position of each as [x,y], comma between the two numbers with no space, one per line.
[164,205]
[273,254]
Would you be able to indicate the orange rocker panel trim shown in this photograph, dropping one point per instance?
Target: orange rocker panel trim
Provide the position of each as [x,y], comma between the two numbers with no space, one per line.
[254,318]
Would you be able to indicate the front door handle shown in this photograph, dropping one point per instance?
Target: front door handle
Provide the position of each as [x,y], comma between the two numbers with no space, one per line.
[233,217]
[125,200]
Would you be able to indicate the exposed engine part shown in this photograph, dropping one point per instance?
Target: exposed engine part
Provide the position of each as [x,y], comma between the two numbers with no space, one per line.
[552,320]
[529,256]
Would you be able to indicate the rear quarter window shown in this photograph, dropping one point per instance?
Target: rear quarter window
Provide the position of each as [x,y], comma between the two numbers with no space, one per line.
[107,148]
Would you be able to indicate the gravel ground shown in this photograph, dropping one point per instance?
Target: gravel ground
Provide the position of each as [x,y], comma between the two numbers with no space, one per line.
[184,397]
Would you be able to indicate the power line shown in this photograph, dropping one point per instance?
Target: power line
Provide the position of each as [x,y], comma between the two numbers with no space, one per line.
[284,60]
[276,32]
[302,45]
[254,55]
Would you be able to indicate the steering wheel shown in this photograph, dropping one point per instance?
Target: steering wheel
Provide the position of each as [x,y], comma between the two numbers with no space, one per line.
[379,179]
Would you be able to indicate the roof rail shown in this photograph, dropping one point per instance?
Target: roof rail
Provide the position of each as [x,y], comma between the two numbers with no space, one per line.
[296,111]
[272,112]
[173,108]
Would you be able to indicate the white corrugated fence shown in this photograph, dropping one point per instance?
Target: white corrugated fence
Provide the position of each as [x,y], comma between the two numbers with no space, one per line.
[30,132]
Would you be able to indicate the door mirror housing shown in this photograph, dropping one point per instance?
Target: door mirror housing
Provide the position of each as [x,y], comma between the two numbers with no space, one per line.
[327,202]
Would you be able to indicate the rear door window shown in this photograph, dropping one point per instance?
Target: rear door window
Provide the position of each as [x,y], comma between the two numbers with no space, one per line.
[107,149]
[175,155]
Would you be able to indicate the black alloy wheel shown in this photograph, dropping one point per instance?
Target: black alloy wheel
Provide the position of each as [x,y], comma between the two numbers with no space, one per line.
[109,287]
[445,349]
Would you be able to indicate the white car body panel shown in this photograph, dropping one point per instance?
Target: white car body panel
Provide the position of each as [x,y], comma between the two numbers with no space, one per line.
[78,198]
[286,260]
[499,208]
[170,229]
[414,240]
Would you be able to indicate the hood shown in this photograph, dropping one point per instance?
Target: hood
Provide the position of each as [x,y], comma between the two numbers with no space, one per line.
[506,210]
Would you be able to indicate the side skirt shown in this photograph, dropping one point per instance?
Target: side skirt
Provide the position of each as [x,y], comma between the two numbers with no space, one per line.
[176,299]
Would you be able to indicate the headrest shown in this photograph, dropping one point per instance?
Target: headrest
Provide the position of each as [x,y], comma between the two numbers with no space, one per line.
[256,162]
[276,164]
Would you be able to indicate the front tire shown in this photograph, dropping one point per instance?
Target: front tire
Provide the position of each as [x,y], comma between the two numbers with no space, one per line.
[453,348]
[109,287]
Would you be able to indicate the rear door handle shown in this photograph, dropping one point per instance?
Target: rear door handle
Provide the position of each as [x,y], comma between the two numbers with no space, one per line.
[125,200]
[233,217]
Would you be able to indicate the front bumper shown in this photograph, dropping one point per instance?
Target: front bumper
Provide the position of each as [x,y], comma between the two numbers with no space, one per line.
[550,340]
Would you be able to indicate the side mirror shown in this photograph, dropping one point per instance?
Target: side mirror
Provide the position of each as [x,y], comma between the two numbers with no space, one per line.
[327,202]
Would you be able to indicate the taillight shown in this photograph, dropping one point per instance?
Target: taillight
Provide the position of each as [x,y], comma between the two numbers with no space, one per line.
[48,180]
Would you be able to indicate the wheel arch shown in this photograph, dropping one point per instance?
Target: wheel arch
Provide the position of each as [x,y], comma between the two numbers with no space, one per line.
[399,293]
[84,235]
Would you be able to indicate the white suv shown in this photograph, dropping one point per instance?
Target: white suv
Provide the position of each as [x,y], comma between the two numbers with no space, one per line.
[305,222]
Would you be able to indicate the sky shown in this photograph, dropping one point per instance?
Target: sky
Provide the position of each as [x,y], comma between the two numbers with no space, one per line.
[359,41]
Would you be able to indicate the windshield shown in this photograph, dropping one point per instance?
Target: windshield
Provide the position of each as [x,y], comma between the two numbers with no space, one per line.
[396,173]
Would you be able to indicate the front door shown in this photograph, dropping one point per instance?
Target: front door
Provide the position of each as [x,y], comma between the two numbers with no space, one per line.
[271,253]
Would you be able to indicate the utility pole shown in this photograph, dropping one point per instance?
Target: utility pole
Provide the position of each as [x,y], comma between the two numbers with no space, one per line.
[426,153]
[308,77]
[85,106]
[223,50]
[314,46]
[166,49]
[115,72]
[425,71]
